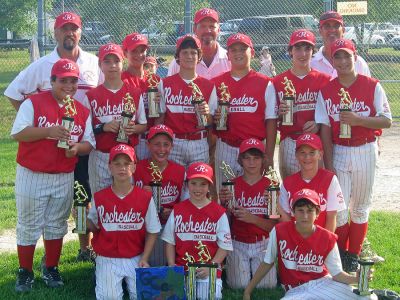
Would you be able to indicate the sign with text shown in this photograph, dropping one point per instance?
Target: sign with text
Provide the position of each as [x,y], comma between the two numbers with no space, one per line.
[351,8]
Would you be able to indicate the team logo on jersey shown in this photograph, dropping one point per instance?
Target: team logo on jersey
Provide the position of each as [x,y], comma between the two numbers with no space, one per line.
[178,103]
[106,110]
[303,101]
[243,104]
[77,129]
[256,205]
[305,262]
[120,221]
[190,230]
[359,107]
[169,193]
[89,77]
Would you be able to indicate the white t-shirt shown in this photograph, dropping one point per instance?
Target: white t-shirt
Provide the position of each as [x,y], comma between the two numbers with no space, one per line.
[36,77]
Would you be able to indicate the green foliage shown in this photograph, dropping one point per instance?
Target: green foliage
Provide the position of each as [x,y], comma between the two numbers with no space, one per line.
[19,16]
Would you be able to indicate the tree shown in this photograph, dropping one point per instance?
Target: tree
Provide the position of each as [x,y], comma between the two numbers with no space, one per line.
[19,16]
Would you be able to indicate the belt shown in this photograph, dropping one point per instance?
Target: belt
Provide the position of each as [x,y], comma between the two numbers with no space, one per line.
[355,142]
[251,239]
[231,142]
[287,287]
[192,136]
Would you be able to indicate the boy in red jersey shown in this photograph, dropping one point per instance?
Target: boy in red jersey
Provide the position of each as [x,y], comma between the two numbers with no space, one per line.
[305,263]
[198,224]
[190,141]
[159,142]
[250,229]
[307,83]
[124,222]
[45,177]
[135,46]
[247,105]
[353,159]
[106,104]
[309,154]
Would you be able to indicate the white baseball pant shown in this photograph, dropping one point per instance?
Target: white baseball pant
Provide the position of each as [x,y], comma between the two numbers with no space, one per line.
[157,256]
[44,204]
[141,150]
[355,169]
[99,173]
[109,275]
[242,263]
[185,152]
[288,163]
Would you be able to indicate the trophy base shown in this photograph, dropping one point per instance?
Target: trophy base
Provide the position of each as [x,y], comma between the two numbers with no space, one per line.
[63,145]
[155,115]
[79,231]
[363,293]
[121,140]
[344,136]
[273,217]
[287,123]
[221,128]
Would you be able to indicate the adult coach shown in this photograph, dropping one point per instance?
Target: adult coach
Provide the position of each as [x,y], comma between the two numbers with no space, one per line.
[36,78]
[331,28]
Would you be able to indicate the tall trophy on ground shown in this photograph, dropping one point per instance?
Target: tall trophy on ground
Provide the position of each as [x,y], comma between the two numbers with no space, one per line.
[288,98]
[155,185]
[345,105]
[223,105]
[229,176]
[197,100]
[153,104]
[273,194]
[129,109]
[81,200]
[363,281]
[203,261]
[68,119]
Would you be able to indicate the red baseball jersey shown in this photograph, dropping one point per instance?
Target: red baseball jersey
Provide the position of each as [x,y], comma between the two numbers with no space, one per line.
[252,198]
[307,89]
[362,95]
[122,223]
[173,177]
[177,96]
[106,106]
[246,118]
[143,84]
[193,225]
[44,155]
[302,259]
[320,183]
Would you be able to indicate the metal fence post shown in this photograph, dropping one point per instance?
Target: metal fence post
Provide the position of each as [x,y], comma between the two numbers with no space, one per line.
[188,16]
[328,5]
[41,26]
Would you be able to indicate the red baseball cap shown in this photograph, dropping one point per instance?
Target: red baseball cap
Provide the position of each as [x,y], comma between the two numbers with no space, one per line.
[239,38]
[309,139]
[343,44]
[251,144]
[205,13]
[65,68]
[308,194]
[110,49]
[68,17]
[160,129]
[150,60]
[330,16]
[200,170]
[302,35]
[188,37]
[133,40]
[122,149]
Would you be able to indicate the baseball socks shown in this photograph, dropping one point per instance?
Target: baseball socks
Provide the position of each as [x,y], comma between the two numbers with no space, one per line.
[50,273]
[25,277]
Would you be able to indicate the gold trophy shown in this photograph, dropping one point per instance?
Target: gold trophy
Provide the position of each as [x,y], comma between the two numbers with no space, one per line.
[202,262]
[153,105]
[288,97]
[67,120]
[197,99]
[345,105]
[273,194]
[128,111]
[155,185]
[363,283]
[223,104]
[80,202]
[229,175]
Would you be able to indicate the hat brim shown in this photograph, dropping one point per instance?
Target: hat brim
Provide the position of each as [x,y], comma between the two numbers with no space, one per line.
[149,137]
[344,49]
[67,22]
[133,47]
[244,149]
[240,42]
[201,176]
[66,74]
[303,41]
[321,23]
[305,198]
[119,55]
[309,145]
[121,153]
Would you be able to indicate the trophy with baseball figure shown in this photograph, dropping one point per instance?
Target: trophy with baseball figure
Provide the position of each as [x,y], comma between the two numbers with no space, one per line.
[203,261]
[345,105]
[223,105]
[153,104]
[197,100]
[67,120]
[363,279]
[228,183]
[288,98]
[81,201]
[129,109]
[273,194]
[155,185]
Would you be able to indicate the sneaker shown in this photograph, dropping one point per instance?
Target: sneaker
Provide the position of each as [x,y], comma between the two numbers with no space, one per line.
[368,253]
[52,277]
[351,263]
[24,281]
[87,255]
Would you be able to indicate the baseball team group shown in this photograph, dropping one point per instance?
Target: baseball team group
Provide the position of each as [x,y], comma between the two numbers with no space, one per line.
[327,158]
